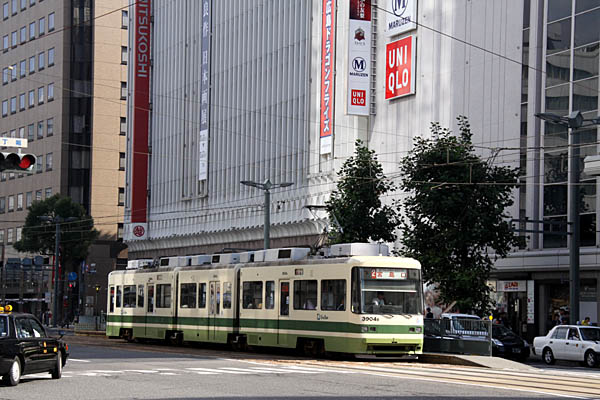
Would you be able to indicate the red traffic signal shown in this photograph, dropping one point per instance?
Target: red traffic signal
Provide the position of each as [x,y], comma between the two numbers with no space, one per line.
[17,162]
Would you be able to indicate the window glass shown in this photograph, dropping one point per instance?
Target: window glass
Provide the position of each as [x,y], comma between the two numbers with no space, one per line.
[202,296]
[124,19]
[584,5]
[5,42]
[32,31]
[42,25]
[163,295]
[557,100]
[51,57]
[269,295]
[559,36]
[284,300]
[13,39]
[252,295]
[585,62]
[41,95]
[3,326]
[587,28]
[305,295]
[150,298]
[111,298]
[31,64]
[129,294]
[585,95]
[50,22]
[31,104]
[23,34]
[22,68]
[36,328]
[50,127]
[187,295]
[24,329]
[49,159]
[118,302]
[558,9]
[227,295]
[41,61]
[40,130]
[5,11]
[50,91]
[333,295]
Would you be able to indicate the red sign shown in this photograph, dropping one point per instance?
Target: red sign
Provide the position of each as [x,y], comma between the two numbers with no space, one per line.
[327,64]
[141,114]
[359,98]
[399,68]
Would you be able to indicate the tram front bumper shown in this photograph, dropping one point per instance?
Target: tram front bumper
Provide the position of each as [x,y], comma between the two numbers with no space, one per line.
[412,345]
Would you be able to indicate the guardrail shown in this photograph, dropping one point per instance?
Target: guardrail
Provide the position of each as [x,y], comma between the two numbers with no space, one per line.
[458,336]
[86,323]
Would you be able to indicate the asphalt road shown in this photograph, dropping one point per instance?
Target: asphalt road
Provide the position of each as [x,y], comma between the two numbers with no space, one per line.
[103,369]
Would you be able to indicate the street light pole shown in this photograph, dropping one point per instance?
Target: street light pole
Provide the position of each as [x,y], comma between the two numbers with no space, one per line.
[267,186]
[573,122]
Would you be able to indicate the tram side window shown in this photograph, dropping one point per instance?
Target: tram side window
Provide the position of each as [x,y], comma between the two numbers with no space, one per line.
[140,296]
[252,295]
[150,298]
[129,296]
[333,295]
[269,295]
[118,302]
[112,299]
[188,295]
[163,295]
[227,295]
[305,295]
[202,296]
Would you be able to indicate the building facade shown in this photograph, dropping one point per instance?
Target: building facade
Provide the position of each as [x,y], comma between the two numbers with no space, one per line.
[64,64]
[230,91]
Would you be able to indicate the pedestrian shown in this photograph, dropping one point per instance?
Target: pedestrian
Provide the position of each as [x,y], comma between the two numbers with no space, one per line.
[429,314]
[586,321]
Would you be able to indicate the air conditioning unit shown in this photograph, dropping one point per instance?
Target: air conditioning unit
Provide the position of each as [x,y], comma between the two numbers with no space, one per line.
[247,257]
[359,249]
[293,254]
[202,259]
[169,262]
[137,264]
[259,256]
[228,258]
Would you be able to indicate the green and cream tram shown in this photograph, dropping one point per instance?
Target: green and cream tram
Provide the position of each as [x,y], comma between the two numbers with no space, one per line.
[370,305]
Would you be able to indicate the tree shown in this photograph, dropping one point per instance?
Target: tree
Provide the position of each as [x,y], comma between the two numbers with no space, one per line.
[39,236]
[355,206]
[455,213]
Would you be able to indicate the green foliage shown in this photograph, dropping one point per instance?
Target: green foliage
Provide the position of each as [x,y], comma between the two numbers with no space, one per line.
[39,236]
[356,204]
[454,213]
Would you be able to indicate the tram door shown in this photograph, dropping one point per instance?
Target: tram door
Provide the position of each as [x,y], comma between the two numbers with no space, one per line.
[214,309]
[149,311]
[284,312]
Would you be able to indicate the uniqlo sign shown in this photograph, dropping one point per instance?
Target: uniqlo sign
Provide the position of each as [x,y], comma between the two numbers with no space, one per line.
[400,68]
[359,98]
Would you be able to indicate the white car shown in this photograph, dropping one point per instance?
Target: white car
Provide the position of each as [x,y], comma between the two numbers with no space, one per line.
[570,342]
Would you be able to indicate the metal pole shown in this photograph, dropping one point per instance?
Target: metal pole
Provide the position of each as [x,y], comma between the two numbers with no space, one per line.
[575,234]
[267,218]
[56,266]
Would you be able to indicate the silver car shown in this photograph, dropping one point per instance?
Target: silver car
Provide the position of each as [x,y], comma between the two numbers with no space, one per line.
[571,343]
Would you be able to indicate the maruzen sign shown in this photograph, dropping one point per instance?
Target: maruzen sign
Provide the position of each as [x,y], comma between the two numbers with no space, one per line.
[400,68]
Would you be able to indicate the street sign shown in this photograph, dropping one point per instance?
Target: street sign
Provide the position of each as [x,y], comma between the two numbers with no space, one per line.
[72,276]
[13,142]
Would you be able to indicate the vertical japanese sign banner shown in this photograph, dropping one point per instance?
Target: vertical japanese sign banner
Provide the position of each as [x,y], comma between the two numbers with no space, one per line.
[400,68]
[204,92]
[359,57]
[402,16]
[141,115]
[327,75]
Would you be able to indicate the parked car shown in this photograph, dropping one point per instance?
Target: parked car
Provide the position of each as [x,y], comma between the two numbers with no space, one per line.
[26,348]
[507,344]
[569,342]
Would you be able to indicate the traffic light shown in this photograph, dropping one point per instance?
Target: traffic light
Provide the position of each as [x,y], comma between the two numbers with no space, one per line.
[17,162]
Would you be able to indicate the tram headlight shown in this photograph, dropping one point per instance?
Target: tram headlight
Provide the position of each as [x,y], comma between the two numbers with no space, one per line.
[364,329]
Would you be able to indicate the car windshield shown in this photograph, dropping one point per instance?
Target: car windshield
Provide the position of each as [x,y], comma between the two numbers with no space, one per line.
[500,331]
[590,333]
[3,326]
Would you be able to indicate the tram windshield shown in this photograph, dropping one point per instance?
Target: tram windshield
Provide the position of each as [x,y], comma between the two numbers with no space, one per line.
[386,291]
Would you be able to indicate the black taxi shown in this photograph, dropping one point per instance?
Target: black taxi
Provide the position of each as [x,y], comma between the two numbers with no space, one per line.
[26,348]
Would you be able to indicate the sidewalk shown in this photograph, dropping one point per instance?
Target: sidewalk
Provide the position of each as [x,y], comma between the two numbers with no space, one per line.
[474,361]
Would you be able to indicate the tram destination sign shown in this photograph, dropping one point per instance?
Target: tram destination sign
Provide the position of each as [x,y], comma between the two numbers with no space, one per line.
[394,274]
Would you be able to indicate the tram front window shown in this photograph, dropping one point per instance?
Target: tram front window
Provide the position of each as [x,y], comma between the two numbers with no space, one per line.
[386,291]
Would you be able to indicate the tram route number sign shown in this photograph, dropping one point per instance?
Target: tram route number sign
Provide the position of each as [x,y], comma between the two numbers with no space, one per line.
[396,274]
[400,68]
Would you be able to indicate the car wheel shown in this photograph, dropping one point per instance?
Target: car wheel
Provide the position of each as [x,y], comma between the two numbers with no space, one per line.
[13,376]
[591,359]
[57,371]
[548,356]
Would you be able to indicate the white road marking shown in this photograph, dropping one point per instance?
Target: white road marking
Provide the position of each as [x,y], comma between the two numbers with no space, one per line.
[78,360]
[311,369]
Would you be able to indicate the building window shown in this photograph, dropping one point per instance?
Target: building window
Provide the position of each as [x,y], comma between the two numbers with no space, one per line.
[48,193]
[3,176]
[38,195]
[22,132]
[119,231]
[123,126]
[30,132]
[13,39]
[50,22]
[50,127]
[31,3]
[13,105]
[51,57]
[121,196]
[13,72]
[31,65]
[49,162]
[41,95]
[2,205]
[1,236]
[21,101]
[5,75]
[122,161]
[13,4]
[40,130]
[11,203]
[51,91]
[31,100]
[13,133]
[124,55]
[123,90]
[23,68]
[32,31]
[9,238]
[39,164]
[42,26]
[5,10]
[28,199]
[41,58]
[19,231]
[124,19]
[23,4]
[23,34]
[20,202]
[4,108]
[5,43]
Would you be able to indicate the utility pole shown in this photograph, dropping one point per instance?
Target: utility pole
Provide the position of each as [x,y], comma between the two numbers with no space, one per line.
[267,186]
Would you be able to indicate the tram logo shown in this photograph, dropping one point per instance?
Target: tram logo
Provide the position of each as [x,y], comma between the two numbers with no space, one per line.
[399,7]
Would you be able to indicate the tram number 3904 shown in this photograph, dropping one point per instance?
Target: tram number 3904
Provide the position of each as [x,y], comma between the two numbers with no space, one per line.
[370,319]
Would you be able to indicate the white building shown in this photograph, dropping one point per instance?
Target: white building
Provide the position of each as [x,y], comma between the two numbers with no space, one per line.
[274,87]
